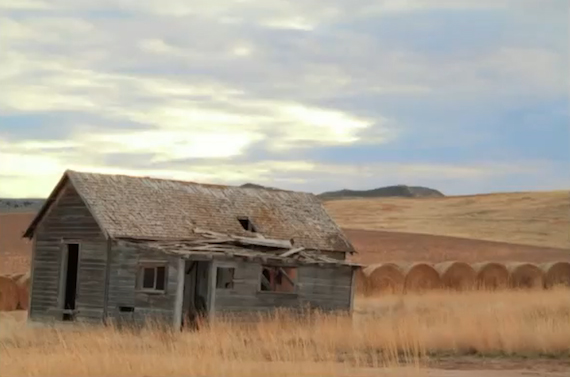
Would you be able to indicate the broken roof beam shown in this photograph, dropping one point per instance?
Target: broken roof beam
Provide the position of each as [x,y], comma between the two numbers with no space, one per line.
[281,244]
[290,253]
[209,233]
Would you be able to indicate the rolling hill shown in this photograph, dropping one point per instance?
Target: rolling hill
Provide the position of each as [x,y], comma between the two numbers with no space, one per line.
[389,191]
[20,205]
[530,218]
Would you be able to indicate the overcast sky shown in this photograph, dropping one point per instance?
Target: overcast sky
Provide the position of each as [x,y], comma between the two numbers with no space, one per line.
[465,96]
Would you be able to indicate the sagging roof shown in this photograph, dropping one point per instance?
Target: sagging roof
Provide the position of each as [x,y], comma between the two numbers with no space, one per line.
[158,209]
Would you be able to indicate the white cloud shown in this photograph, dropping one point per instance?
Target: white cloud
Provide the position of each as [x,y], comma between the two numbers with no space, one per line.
[24,5]
[158,46]
[226,114]
[295,23]
[325,126]
[242,50]
[172,145]
[26,164]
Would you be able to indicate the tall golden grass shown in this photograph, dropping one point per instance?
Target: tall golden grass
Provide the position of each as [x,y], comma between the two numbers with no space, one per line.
[383,332]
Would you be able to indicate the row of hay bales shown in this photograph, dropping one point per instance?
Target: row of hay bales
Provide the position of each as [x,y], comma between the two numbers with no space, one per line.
[418,277]
[14,291]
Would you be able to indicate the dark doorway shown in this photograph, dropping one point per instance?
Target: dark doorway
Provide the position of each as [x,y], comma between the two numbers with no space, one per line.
[196,292]
[70,281]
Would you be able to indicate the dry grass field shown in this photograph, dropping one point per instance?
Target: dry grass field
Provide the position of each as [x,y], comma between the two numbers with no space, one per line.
[438,334]
[532,218]
[491,334]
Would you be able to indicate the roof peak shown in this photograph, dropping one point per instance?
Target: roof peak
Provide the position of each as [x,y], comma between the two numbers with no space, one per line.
[155,178]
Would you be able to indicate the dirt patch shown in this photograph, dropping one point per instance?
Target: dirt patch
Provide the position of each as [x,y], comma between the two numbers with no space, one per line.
[493,373]
[501,363]
[383,246]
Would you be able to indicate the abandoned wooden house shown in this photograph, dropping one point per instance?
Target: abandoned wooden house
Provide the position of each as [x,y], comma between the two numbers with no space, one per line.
[114,247]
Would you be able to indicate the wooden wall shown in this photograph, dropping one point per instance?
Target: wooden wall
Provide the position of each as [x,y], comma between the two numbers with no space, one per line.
[326,288]
[68,220]
[320,288]
[122,286]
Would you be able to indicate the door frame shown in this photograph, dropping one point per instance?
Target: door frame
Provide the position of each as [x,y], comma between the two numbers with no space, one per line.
[183,264]
[63,272]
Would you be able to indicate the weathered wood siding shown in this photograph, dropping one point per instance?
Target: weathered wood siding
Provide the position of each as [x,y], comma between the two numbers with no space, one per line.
[68,220]
[122,292]
[245,295]
[325,288]
[317,287]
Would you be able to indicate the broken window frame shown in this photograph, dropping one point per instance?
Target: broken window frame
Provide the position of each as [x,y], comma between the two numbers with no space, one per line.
[152,266]
[232,275]
[280,273]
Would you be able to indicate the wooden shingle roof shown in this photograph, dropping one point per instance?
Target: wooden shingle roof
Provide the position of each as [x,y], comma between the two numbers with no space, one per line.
[160,209]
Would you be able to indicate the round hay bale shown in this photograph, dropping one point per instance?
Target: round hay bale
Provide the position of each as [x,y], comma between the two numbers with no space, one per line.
[420,277]
[491,275]
[8,294]
[23,284]
[384,278]
[361,282]
[525,275]
[456,275]
[15,277]
[556,273]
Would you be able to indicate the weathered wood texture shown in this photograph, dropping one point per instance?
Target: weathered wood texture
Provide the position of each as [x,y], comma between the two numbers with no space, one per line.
[150,208]
[68,220]
[339,255]
[122,291]
[317,288]
[325,288]
[90,300]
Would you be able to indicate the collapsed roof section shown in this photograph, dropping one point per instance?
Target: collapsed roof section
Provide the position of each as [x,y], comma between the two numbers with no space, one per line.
[216,246]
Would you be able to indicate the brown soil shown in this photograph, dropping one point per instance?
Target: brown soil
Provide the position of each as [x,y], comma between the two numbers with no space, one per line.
[15,251]
[381,246]
[477,367]
[498,367]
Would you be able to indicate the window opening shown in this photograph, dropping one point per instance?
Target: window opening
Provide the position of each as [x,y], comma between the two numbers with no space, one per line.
[154,278]
[225,277]
[247,224]
[278,279]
